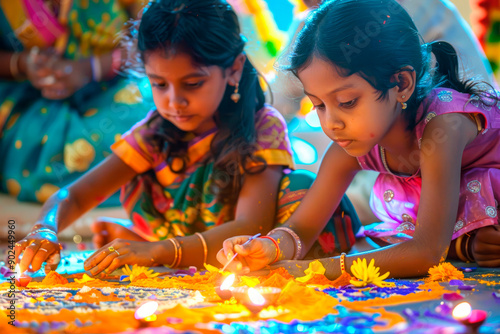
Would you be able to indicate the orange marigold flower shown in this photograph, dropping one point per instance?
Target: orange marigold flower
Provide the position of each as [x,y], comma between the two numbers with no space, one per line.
[445,271]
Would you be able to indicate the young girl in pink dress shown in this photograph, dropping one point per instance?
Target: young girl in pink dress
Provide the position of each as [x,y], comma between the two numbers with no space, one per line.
[388,107]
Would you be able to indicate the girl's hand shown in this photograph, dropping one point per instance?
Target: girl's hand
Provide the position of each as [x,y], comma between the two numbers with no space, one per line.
[120,252]
[38,248]
[486,246]
[253,256]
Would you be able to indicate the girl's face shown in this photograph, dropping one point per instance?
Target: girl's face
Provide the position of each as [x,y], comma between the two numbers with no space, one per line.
[348,109]
[184,93]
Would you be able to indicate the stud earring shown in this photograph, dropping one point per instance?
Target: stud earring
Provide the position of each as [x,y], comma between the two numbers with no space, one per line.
[236,96]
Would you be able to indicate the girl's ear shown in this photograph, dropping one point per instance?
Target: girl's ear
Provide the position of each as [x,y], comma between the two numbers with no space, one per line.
[236,70]
[405,81]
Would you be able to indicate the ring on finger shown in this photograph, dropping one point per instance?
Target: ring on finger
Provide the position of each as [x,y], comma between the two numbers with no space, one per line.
[116,251]
[43,249]
[111,248]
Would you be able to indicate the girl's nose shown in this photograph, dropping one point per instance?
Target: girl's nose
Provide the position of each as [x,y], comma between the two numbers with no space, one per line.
[333,122]
[177,101]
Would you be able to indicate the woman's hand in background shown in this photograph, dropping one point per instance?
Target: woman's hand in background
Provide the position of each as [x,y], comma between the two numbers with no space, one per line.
[57,78]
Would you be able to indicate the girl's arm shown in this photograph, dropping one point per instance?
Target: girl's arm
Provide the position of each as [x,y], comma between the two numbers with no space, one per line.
[69,203]
[334,176]
[255,213]
[336,172]
[443,143]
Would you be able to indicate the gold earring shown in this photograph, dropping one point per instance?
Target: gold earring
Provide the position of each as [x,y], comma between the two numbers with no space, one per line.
[404,105]
[235,96]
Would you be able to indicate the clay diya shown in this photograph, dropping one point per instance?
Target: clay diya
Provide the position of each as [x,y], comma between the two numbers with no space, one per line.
[256,299]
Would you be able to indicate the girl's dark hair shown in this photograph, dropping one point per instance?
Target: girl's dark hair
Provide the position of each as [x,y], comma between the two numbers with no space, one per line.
[208,31]
[377,39]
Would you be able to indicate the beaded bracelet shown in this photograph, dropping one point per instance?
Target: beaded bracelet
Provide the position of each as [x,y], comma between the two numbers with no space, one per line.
[205,249]
[275,244]
[342,263]
[296,239]
[175,252]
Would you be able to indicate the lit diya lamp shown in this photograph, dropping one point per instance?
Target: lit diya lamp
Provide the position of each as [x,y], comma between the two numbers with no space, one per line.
[146,313]
[256,299]
[472,319]
[21,280]
[225,290]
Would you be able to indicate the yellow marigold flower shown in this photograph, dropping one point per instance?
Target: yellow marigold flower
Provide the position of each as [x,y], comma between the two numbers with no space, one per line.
[367,274]
[445,271]
[136,271]
[85,278]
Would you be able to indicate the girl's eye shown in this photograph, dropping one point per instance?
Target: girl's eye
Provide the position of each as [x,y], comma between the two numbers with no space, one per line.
[194,84]
[319,107]
[348,104]
[159,85]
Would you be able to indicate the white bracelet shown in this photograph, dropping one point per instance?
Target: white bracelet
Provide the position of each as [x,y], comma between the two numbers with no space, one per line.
[42,230]
[296,239]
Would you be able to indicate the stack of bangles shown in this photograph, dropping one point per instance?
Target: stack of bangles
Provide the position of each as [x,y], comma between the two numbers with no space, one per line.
[276,258]
[298,243]
[177,253]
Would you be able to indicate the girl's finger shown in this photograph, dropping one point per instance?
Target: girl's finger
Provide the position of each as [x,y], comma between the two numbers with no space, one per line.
[245,250]
[105,263]
[29,253]
[118,262]
[42,254]
[487,249]
[221,256]
[45,250]
[229,244]
[489,263]
[19,248]
[99,255]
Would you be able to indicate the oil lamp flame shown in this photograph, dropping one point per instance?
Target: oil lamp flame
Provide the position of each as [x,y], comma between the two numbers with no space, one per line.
[147,311]
[228,282]
[255,297]
[462,311]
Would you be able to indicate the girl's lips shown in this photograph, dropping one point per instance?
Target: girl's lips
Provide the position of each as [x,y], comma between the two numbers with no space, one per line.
[181,118]
[343,143]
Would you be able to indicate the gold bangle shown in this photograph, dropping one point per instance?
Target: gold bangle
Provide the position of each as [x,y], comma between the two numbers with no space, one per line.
[179,253]
[205,249]
[14,66]
[175,252]
[342,263]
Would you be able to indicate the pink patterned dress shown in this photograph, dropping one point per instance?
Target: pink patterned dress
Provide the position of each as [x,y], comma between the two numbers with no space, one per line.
[395,199]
